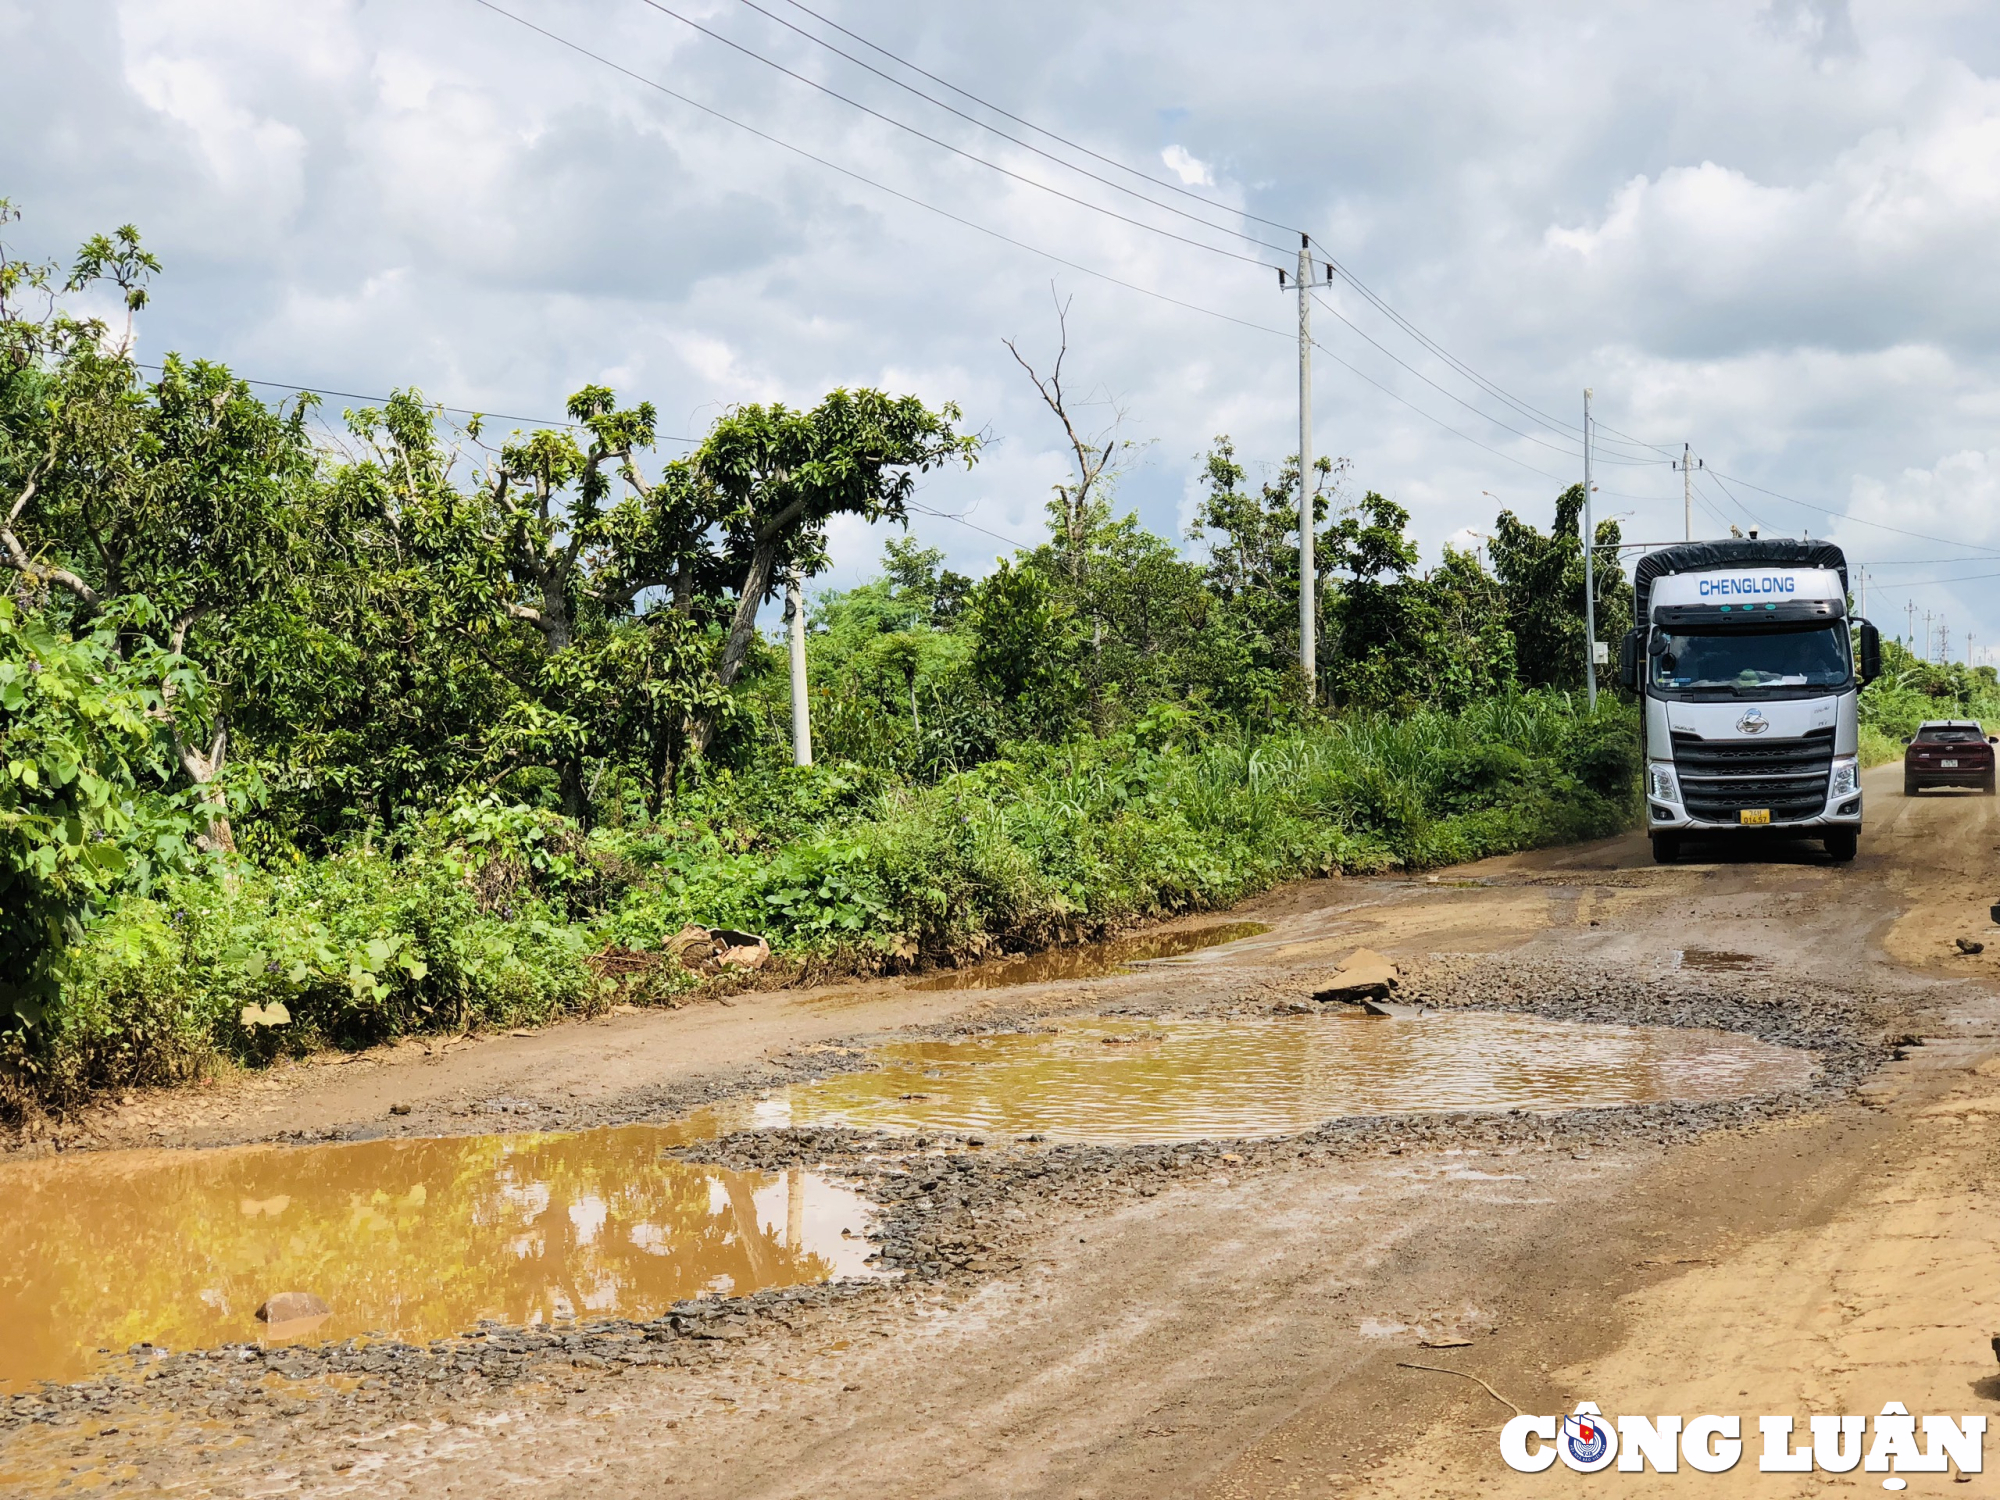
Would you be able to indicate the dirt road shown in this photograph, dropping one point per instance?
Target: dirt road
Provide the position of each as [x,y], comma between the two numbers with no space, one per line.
[1238,1320]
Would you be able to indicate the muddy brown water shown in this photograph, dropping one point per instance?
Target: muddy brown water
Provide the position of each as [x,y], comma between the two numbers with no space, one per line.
[410,1238]
[1091,960]
[417,1239]
[1113,1080]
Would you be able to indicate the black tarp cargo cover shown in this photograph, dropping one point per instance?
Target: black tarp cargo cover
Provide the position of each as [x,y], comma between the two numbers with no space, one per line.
[1736,552]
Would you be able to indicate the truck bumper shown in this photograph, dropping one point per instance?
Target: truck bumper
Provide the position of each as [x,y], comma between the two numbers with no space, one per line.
[1666,817]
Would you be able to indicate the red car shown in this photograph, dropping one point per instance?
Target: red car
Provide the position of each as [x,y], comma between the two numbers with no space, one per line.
[1948,752]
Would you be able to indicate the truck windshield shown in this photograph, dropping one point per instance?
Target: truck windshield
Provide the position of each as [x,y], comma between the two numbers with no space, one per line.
[1742,662]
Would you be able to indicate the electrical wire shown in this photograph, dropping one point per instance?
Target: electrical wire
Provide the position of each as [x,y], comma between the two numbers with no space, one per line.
[1905,584]
[1838,516]
[1576,453]
[959,151]
[1562,428]
[945,515]
[1173,187]
[1050,256]
[974,120]
[1394,396]
[850,173]
[457,411]
[1704,479]
[1554,424]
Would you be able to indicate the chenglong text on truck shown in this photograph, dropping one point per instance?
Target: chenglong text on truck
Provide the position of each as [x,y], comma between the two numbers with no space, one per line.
[1745,657]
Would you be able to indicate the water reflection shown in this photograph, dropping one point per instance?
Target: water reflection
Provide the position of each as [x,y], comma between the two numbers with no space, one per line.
[1177,1079]
[416,1238]
[1091,960]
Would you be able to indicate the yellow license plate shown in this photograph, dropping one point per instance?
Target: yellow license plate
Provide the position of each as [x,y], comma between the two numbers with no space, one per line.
[1754,815]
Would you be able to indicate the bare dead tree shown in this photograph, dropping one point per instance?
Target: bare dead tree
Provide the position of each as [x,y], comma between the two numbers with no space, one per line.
[1094,454]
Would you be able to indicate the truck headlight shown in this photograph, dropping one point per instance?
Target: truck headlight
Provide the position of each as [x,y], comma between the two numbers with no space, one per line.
[1660,782]
[1846,777]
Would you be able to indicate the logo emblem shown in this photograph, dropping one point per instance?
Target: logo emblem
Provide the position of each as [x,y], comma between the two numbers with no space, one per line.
[1753,722]
[1586,1442]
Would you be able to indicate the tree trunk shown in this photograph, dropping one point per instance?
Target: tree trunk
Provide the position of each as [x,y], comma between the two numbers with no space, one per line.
[202,769]
[575,802]
[755,585]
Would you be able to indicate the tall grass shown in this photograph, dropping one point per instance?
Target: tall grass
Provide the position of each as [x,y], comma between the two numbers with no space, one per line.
[491,916]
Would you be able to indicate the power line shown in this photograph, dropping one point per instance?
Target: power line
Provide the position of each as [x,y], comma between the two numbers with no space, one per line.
[945,515]
[1858,520]
[945,145]
[457,411]
[850,173]
[1709,476]
[909,198]
[974,120]
[1394,396]
[1529,437]
[1174,187]
[1917,583]
[1557,425]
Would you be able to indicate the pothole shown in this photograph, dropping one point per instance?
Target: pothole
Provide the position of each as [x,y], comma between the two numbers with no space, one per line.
[1092,960]
[1111,1080]
[1717,961]
[405,1239]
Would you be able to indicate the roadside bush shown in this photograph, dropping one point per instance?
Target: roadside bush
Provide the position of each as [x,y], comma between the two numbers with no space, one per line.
[1910,691]
[493,914]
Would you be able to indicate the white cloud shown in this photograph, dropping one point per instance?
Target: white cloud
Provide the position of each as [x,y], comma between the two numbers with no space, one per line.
[1184,166]
[1781,253]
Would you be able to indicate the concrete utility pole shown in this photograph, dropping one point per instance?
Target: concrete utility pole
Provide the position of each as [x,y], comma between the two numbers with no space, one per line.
[1308,574]
[1687,465]
[1861,592]
[795,613]
[1927,635]
[1589,586]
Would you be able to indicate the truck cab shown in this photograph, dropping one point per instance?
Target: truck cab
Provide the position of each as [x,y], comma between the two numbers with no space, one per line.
[1749,667]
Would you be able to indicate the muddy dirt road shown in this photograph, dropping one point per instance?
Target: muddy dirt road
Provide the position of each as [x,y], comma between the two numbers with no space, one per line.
[1203,1318]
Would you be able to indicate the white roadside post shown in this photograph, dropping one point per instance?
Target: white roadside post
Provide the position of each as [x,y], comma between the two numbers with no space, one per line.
[795,614]
[1589,587]
[1308,605]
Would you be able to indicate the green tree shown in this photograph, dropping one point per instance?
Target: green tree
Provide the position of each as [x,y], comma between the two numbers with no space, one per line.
[1542,580]
[83,752]
[780,475]
[183,489]
[1025,644]
[1253,548]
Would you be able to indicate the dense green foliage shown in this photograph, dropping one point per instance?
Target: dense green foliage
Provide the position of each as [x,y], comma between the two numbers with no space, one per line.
[1911,690]
[317,738]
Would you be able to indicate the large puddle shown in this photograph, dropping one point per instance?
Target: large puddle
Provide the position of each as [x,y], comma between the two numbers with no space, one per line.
[416,1239]
[1091,960]
[1126,1080]
[422,1238]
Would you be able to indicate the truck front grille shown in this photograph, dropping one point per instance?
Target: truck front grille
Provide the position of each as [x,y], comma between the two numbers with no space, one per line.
[1720,778]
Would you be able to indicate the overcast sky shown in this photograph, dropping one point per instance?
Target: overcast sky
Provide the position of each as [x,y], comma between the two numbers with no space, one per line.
[1770,233]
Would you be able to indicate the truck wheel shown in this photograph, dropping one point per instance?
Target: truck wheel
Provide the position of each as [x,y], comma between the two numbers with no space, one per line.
[1666,848]
[1841,845]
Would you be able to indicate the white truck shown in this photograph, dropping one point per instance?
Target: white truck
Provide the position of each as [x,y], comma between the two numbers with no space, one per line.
[1748,666]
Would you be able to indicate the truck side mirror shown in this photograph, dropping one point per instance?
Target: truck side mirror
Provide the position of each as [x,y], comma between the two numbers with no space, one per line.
[1871,653]
[1628,660]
